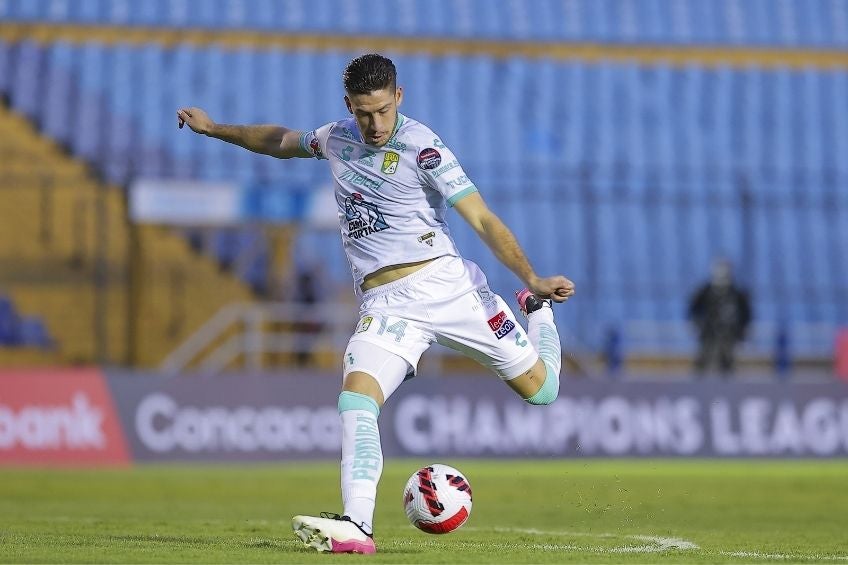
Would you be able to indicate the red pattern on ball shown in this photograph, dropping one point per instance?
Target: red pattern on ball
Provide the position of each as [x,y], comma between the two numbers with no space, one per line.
[445,526]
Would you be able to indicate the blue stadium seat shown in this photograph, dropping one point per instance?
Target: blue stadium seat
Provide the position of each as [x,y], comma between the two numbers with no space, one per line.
[90,119]
[828,120]
[811,100]
[778,133]
[272,77]
[541,132]
[572,86]
[802,23]
[821,273]
[10,322]
[33,333]
[839,85]
[413,74]
[476,120]
[59,96]
[26,78]
[5,67]
[784,140]
[450,70]
[28,11]
[120,104]
[182,146]
[90,12]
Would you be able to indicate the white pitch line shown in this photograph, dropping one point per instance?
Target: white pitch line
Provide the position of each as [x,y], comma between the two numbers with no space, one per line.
[758,555]
[658,543]
[667,543]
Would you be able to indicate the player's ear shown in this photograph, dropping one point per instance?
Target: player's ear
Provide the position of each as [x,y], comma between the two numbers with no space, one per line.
[399,95]
[347,103]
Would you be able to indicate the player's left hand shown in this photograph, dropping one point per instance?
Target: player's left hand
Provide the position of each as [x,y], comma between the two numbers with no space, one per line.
[558,288]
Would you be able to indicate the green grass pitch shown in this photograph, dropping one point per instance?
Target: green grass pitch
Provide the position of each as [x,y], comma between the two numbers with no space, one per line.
[586,511]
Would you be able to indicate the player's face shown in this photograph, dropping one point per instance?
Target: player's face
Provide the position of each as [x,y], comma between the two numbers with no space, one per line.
[375,113]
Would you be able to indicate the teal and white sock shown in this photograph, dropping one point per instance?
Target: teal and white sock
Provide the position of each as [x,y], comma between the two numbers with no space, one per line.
[543,334]
[362,456]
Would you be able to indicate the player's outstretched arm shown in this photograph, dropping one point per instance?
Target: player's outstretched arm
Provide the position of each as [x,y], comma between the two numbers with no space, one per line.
[276,141]
[502,242]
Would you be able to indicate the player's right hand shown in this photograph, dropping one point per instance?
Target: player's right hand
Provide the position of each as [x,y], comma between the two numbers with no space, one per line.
[557,288]
[198,120]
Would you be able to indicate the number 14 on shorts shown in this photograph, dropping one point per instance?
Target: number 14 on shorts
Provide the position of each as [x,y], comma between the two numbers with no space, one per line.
[382,325]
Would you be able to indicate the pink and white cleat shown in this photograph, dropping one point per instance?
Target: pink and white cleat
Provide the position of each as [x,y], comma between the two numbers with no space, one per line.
[333,533]
[529,302]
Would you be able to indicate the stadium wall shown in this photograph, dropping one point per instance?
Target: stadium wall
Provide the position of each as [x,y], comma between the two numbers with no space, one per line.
[91,417]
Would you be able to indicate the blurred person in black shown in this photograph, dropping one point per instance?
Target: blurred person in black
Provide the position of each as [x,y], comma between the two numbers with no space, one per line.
[306,294]
[721,311]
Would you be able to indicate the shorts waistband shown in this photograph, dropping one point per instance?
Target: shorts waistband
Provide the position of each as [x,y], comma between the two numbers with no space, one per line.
[408,280]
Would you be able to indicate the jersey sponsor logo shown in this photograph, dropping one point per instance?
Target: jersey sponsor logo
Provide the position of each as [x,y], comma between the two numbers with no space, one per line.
[438,143]
[396,145]
[445,168]
[363,217]
[461,180]
[486,295]
[357,179]
[315,147]
[500,324]
[429,159]
[345,155]
[427,238]
[348,134]
[390,163]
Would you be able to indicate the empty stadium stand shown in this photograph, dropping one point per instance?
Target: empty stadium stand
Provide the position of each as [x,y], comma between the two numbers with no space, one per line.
[809,23]
[65,262]
[631,176]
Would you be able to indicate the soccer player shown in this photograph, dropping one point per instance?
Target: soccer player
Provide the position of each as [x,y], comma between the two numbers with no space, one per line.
[394,179]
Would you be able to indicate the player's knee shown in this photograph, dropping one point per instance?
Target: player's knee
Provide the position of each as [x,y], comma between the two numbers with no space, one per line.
[365,384]
[549,390]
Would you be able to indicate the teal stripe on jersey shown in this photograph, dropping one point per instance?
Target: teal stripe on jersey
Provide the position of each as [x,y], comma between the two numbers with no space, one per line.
[461,194]
[398,123]
[303,142]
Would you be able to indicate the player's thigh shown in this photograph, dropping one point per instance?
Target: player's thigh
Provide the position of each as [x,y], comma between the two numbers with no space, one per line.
[383,352]
[483,327]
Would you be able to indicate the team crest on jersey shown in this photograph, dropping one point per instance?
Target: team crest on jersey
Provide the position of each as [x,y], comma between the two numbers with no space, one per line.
[364,324]
[363,217]
[500,324]
[429,159]
[427,238]
[390,163]
[315,147]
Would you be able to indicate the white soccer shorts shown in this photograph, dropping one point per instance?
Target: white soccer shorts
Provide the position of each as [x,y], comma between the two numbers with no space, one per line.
[447,302]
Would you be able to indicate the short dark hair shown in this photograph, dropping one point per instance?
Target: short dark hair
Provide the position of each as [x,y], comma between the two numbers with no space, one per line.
[368,73]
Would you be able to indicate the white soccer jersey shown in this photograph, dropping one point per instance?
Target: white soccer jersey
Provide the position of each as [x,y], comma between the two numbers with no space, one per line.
[391,199]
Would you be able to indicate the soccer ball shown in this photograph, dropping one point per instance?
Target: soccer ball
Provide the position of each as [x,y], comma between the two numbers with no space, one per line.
[437,499]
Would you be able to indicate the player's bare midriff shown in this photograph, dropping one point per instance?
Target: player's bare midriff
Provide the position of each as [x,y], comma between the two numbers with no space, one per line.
[392,273]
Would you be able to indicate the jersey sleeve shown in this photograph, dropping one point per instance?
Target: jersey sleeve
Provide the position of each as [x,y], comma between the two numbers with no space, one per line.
[441,170]
[315,142]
